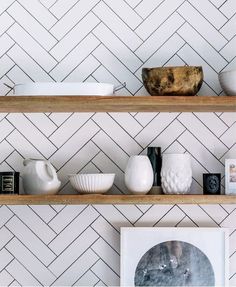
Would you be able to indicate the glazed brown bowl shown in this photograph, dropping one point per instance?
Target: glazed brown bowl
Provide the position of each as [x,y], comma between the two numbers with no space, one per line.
[173,81]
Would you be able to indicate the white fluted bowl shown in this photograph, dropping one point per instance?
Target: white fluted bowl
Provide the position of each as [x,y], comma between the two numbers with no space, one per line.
[92,183]
[228,82]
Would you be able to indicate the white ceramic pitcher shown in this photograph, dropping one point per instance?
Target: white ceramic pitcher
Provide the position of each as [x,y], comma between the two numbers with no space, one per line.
[39,177]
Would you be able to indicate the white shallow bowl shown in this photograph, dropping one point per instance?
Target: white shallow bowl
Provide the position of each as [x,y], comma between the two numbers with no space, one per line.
[228,82]
[92,183]
[64,89]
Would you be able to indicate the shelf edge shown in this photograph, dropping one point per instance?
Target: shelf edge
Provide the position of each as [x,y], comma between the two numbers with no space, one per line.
[115,199]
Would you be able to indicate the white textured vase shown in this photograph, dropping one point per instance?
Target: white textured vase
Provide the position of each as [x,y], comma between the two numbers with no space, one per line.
[139,174]
[176,173]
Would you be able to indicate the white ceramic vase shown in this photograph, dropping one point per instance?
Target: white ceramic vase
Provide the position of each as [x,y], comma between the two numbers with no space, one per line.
[176,173]
[139,174]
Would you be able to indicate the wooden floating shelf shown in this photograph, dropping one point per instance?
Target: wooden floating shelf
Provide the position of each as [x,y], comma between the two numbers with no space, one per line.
[32,104]
[116,199]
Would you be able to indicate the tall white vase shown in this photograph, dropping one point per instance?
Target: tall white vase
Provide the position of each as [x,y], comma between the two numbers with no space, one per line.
[139,174]
[176,173]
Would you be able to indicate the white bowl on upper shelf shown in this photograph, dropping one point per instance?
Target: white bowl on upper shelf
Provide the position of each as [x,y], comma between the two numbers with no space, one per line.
[96,183]
[64,89]
[228,82]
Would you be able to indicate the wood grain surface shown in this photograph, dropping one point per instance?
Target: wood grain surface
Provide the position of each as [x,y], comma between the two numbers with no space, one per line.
[117,104]
[116,199]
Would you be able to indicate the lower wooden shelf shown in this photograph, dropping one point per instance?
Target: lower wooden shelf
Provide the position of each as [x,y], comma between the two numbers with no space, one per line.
[116,199]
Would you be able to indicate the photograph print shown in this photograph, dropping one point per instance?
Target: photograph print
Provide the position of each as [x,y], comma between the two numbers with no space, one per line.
[174,257]
[230,176]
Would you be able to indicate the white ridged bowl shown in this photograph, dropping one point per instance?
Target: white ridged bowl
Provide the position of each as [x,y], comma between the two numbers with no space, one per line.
[92,183]
[228,82]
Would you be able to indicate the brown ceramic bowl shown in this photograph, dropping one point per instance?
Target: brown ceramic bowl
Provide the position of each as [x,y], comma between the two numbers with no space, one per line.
[173,81]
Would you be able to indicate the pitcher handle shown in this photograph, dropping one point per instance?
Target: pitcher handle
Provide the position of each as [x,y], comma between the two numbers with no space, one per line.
[52,171]
[26,161]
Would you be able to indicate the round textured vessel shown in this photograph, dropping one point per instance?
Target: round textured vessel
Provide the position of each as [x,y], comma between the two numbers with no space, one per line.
[173,81]
[176,173]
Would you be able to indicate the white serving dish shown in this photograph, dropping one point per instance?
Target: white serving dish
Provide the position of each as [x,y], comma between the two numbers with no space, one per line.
[92,183]
[62,89]
[228,82]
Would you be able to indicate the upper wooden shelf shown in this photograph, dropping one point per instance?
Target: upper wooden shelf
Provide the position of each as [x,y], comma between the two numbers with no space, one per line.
[116,199]
[32,104]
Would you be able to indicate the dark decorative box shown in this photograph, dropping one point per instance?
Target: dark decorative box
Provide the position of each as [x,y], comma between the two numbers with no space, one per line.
[9,182]
[212,183]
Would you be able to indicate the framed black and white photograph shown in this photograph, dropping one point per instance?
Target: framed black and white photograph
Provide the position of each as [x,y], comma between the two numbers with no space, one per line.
[174,256]
[230,176]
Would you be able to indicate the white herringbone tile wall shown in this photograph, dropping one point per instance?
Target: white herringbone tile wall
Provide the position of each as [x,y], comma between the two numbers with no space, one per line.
[107,41]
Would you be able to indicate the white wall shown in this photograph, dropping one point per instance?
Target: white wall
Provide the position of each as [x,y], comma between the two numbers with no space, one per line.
[107,41]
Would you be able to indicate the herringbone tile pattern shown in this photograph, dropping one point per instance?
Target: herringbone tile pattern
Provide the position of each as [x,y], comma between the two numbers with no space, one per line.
[107,41]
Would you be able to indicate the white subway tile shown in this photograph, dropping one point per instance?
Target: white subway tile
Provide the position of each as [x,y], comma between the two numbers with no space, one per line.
[201,153]
[115,46]
[6,258]
[107,254]
[107,232]
[154,128]
[158,17]
[42,122]
[73,252]
[118,69]
[70,127]
[228,8]
[111,149]
[5,278]
[159,37]
[77,269]
[28,65]
[32,134]
[37,10]
[22,254]
[5,129]
[74,144]
[31,47]
[72,231]
[33,222]
[69,63]
[118,134]
[105,274]
[213,15]
[21,274]
[31,241]
[45,212]
[118,27]
[229,29]
[203,134]
[146,7]
[72,17]
[89,278]
[5,65]
[74,37]
[204,49]
[65,216]
[5,44]
[203,26]
[5,237]
[32,26]
[198,216]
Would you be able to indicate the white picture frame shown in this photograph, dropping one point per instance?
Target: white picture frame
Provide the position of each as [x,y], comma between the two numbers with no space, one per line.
[142,248]
[230,176]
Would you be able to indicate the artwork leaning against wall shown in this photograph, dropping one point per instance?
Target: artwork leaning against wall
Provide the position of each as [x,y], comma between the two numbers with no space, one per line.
[108,41]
